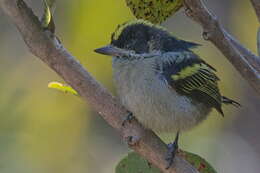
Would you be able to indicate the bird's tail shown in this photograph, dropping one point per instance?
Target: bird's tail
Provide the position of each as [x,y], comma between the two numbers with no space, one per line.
[226,100]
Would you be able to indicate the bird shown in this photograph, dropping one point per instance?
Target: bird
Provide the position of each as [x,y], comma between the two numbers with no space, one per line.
[161,81]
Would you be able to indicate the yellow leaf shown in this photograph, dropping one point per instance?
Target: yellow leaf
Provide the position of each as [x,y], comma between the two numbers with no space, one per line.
[63,88]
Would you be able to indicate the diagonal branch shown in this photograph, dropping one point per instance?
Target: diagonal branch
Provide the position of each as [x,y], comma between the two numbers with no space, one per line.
[246,63]
[50,51]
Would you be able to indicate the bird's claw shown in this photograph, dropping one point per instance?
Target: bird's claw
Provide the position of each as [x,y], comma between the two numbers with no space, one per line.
[172,150]
[128,118]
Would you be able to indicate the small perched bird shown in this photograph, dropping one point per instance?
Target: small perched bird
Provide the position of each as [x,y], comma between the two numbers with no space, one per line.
[166,86]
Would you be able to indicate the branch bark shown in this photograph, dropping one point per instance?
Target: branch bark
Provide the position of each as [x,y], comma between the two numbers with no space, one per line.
[50,51]
[246,63]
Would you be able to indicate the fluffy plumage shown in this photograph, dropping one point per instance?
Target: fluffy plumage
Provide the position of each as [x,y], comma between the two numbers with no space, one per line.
[144,90]
[158,78]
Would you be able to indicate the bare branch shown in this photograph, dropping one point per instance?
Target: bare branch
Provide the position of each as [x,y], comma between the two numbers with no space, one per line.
[246,63]
[49,50]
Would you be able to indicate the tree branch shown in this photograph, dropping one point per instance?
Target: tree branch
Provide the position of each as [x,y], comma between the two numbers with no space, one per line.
[246,63]
[50,51]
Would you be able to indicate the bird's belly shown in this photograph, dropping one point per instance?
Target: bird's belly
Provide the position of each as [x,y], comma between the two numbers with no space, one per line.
[160,108]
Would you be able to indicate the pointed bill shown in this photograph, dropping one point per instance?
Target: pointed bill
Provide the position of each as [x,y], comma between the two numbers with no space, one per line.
[111,50]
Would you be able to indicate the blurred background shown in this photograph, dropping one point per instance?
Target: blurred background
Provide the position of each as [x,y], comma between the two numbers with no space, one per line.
[43,130]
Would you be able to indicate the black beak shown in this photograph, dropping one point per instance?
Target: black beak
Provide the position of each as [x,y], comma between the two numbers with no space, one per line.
[109,50]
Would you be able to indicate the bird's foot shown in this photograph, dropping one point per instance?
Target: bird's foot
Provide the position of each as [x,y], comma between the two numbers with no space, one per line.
[129,117]
[172,150]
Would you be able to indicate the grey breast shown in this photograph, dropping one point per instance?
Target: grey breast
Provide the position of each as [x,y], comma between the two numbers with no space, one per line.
[144,91]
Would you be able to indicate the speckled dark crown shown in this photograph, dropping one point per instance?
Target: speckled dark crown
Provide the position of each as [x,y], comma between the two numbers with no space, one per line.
[144,37]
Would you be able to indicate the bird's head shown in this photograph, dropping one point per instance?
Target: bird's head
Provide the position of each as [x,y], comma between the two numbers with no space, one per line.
[141,37]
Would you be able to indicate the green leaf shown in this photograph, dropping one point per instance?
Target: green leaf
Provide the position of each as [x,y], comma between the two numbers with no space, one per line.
[153,10]
[47,19]
[133,163]
[63,88]
[198,162]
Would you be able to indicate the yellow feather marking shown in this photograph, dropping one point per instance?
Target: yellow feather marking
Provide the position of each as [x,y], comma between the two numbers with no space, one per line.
[175,77]
[189,84]
[186,89]
[191,70]
[186,72]
[194,83]
[121,27]
[197,80]
[200,78]
[204,66]
[209,76]
[212,90]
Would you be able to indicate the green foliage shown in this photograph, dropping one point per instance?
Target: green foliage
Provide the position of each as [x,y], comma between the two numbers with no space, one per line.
[153,10]
[198,162]
[63,88]
[47,19]
[134,163]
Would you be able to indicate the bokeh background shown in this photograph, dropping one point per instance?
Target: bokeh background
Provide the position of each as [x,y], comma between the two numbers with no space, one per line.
[43,130]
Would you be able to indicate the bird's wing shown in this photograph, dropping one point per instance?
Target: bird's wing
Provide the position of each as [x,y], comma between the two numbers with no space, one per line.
[191,76]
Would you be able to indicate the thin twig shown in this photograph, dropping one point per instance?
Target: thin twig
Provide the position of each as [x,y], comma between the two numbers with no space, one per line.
[246,63]
[49,50]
